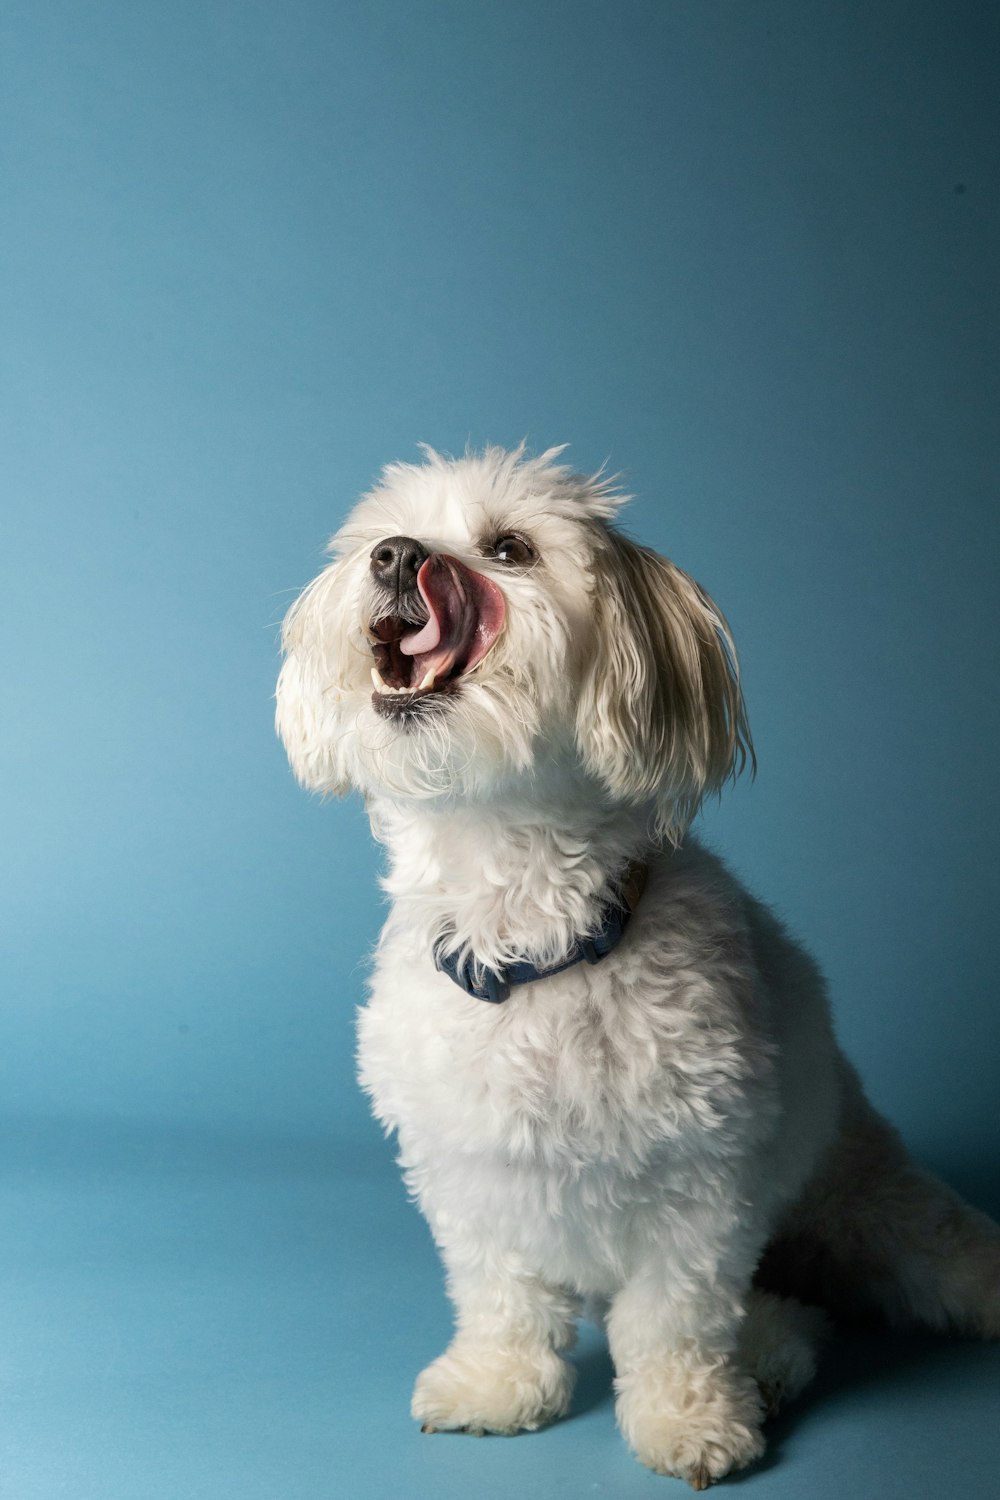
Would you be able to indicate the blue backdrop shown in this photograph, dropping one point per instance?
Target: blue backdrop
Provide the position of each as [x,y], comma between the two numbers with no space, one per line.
[748,255]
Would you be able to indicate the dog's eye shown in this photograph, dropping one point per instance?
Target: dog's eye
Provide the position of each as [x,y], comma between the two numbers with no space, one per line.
[513,549]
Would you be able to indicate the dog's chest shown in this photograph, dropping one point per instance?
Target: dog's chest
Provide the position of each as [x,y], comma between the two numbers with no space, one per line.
[594,1065]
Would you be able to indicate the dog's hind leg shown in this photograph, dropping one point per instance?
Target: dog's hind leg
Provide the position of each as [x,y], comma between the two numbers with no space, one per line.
[778,1345]
[875,1231]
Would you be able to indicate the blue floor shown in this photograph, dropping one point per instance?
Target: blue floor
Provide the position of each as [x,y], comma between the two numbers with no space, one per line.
[195,1314]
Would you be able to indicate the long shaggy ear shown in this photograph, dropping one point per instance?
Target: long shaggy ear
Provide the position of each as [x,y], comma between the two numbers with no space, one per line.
[310,689]
[661,714]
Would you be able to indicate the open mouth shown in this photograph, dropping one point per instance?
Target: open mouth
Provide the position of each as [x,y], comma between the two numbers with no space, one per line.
[465,614]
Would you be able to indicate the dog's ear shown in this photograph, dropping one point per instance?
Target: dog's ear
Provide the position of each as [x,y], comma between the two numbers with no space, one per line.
[661,714]
[310,685]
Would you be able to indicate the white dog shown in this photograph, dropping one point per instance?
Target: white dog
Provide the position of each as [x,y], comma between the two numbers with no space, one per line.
[611,1072]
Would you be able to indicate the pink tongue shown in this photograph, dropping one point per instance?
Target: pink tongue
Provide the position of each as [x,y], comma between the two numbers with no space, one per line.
[426,638]
[465,616]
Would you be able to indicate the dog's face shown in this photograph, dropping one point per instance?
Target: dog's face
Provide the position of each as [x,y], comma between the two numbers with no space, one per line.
[482,619]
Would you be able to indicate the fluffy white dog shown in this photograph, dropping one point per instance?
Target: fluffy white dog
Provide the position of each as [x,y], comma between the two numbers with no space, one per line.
[611,1072]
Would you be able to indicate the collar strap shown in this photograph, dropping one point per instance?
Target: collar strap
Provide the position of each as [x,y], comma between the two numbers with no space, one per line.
[495,984]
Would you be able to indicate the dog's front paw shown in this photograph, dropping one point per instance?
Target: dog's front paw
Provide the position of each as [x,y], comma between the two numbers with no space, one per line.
[480,1388]
[698,1431]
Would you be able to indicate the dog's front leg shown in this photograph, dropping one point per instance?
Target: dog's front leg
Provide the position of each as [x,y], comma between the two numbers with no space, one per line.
[501,1372]
[683,1404]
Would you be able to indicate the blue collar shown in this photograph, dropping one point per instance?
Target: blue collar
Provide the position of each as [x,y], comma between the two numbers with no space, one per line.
[495,984]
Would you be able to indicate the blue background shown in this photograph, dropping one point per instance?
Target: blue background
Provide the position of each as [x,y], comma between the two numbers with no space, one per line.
[747,253]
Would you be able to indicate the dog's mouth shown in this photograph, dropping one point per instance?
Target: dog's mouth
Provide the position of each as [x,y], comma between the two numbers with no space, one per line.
[415,660]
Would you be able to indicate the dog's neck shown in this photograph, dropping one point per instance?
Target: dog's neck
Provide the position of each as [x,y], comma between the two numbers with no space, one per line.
[520,877]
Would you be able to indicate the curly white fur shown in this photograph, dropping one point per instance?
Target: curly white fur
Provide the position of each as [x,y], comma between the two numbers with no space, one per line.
[651,1131]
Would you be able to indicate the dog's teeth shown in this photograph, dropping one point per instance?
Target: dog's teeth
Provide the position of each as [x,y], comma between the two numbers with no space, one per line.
[430,677]
[381,686]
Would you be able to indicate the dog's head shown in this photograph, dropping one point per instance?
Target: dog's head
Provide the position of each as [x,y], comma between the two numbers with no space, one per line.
[483,620]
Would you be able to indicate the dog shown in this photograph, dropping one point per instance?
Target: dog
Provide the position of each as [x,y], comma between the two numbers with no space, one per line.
[611,1072]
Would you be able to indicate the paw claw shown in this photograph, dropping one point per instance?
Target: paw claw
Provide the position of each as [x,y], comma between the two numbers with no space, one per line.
[700,1479]
[771,1397]
[427,1427]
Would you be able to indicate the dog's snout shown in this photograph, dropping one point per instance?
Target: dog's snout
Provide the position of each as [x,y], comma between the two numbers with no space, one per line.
[396,560]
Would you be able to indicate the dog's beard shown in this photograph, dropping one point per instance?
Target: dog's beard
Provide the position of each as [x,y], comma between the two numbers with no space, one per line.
[461,743]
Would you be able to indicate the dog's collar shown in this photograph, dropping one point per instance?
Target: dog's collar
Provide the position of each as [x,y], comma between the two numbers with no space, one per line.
[495,984]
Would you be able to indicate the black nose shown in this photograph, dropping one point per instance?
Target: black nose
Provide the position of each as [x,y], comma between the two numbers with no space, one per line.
[396,560]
